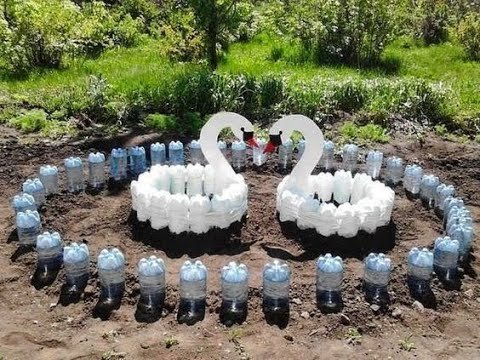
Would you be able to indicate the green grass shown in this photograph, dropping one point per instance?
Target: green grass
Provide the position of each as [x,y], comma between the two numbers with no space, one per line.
[370,133]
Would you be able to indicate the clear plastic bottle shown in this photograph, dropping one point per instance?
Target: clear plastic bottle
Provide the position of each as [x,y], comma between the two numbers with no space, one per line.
[350,157]
[118,164]
[285,154]
[428,188]
[327,159]
[193,292]
[50,254]
[259,157]
[441,193]
[222,145]
[374,163]
[449,204]
[138,160]
[377,276]
[329,283]
[35,188]
[394,170]
[445,258]
[23,202]
[420,268]
[158,154]
[276,286]
[49,177]
[29,227]
[76,260]
[111,271]
[412,178]
[74,172]
[196,154]
[234,278]
[239,156]
[151,275]
[301,148]
[96,170]
[175,153]
[463,233]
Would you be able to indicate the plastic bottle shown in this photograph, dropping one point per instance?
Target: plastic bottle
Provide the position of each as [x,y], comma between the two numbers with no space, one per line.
[96,170]
[175,153]
[111,271]
[158,154]
[329,283]
[23,202]
[285,153]
[193,292]
[196,154]
[449,204]
[394,170]
[276,286]
[441,193]
[234,279]
[301,148]
[420,268]
[138,160]
[35,188]
[377,276]
[428,188]
[259,157]
[29,227]
[151,276]
[350,157]
[50,253]
[74,172]
[239,156]
[76,260]
[222,145]
[374,163]
[412,178]
[445,258]
[327,159]
[463,233]
[49,177]
[118,164]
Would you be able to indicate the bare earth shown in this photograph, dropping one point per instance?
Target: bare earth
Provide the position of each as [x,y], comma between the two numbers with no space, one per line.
[34,323]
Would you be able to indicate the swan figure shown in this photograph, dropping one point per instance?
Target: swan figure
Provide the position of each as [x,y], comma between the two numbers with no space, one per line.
[311,200]
[195,197]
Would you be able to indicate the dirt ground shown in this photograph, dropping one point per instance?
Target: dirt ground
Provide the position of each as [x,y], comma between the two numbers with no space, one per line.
[35,324]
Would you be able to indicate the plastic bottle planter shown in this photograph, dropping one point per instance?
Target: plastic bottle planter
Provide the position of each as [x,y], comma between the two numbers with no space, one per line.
[49,178]
[29,227]
[259,157]
[420,268]
[276,287]
[300,148]
[196,154]
[222,145]
[377,276]
[50,255]
[327,160]
[462,231]
[35,188]
[239,156]
[193,292]
[441,193]
[394,171]
[175,153]
[151,276]
[23,202]
[158,154]
[285,153]
[74,172]
[329,283]
[118,164]
[374,163]
[111,271]
[138,160]
[234,278]
[96,170]
[350,157]
[76,260]
[445,258]
[428,188]
[451,205]
[412,178]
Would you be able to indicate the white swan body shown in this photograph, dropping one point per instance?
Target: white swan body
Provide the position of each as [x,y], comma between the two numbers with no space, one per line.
[363,204]
[196,198]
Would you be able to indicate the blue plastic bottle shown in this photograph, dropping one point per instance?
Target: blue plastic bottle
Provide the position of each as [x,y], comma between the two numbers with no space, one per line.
[138,160]
[329,283]
[445,258]
[428,188]
[29,227]
[96,170]
[441,193]
[158,154]
[193,292]
[196,154]
[49,178]
[76,260]
[151,276]
[377,276]
[327,160]
[374,163]
[35,188]
[118,164]
[74,172]
[350,157]
[276,287]
[23,202]
[420,268]
[412,178]
[50,254]
[234,279]
[111,271]
[175,153]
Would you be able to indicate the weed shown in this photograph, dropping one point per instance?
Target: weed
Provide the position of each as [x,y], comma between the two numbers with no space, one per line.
[235,334]
[406,344]
[161,122]
[112,355]
[30,121]
[353,336]
[441,130]
[365,133]
[110,335]
[170,341]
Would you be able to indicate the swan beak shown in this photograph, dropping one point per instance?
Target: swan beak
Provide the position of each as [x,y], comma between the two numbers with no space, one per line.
[269,148]
[252,142]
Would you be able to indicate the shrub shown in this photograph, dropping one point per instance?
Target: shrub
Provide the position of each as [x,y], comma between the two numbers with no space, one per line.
[469,35]
[161,122]
[434,21]
[368,133]
[30,121]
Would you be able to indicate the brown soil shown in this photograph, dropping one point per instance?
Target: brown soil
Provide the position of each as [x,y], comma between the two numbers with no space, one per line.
[35,324]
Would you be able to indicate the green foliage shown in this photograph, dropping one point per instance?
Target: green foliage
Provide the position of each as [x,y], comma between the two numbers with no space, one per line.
[30,121]
[366,133]
[407,344]
[441,130]
[469,35]
[161,122]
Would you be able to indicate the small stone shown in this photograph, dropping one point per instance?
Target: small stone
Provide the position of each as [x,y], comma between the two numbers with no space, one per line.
[52,305]
[344,319]
[397,313]
[375,308]
[89,290]
[297,301]
[305,314]
[35,322]
[144,346]
[469,294]
[288,337]
[419,306]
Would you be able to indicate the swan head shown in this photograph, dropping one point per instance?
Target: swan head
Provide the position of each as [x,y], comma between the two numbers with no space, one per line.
[242,129]
[278,136]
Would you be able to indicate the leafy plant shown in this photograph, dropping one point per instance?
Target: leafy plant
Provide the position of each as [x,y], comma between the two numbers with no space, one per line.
[30,121]
[406,344]
[353,336]
[170,341]
[161,122]
[368,133]
[469,35]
